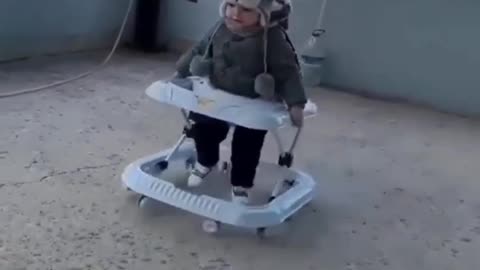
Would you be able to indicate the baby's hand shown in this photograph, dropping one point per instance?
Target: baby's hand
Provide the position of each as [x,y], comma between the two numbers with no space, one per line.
[296,115]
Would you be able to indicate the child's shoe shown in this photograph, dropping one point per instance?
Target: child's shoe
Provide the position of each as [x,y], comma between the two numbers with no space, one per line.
[198,175]
[240,195]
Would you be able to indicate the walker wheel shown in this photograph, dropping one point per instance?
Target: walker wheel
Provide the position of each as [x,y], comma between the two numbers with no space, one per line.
[262,233]
[210,226]
[142,201]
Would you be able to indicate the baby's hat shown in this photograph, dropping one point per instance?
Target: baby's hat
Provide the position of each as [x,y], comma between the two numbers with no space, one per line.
[272,12]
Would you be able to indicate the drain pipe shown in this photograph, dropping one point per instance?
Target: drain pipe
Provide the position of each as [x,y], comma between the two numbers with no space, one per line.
[313,54]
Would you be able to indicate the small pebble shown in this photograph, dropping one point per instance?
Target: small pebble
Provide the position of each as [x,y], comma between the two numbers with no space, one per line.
[466,240]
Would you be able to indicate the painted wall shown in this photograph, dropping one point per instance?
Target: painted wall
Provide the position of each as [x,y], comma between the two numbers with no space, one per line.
[423,51]
[32,27]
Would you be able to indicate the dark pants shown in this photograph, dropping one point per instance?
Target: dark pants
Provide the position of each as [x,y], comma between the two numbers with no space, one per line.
[247,146]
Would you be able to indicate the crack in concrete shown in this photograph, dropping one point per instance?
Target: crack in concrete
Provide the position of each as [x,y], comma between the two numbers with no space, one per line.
[77,170]
[54,174]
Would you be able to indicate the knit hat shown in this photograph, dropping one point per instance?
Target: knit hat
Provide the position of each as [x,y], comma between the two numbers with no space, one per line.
[272,12]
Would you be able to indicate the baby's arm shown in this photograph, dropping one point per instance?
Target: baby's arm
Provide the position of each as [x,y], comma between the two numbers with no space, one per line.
[183,64]
[283,66]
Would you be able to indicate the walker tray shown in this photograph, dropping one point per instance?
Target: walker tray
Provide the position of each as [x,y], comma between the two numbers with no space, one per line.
[206,100]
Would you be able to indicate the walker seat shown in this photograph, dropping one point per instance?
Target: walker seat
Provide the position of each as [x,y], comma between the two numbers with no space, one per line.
[151,176]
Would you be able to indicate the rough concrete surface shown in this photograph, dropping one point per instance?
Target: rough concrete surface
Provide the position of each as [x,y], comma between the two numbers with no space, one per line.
[398,185]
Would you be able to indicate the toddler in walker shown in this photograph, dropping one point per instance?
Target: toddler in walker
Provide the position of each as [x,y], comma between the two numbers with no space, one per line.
[246,53]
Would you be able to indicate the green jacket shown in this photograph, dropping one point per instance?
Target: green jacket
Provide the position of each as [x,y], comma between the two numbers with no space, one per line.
[238,60]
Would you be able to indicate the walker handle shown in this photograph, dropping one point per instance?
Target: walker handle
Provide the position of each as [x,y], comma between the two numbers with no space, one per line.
[295,140]
[188,123]
[294,143]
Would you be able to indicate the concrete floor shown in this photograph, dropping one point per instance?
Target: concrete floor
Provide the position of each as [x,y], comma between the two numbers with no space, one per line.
[398,185]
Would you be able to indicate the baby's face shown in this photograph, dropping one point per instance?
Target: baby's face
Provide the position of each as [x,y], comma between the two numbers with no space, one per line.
[239,18]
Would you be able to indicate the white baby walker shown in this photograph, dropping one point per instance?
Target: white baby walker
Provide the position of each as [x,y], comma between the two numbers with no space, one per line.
[289,194]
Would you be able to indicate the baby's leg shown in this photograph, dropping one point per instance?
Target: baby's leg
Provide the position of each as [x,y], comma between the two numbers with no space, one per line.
[246,150]
[208,133]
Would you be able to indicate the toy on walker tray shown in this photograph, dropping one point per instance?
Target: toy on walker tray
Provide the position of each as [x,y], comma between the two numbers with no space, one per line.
[147,176]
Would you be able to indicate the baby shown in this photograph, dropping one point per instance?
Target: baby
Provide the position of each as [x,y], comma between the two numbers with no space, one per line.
[247,53]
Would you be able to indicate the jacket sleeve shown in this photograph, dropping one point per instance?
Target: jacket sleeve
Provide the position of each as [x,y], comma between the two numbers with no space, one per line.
[183,63]
[283,66]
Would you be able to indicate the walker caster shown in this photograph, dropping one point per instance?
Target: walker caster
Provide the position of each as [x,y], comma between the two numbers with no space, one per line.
[210,226]
[142,201]
[262,233]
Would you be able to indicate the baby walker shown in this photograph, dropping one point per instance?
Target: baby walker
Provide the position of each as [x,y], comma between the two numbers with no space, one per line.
[289,195]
